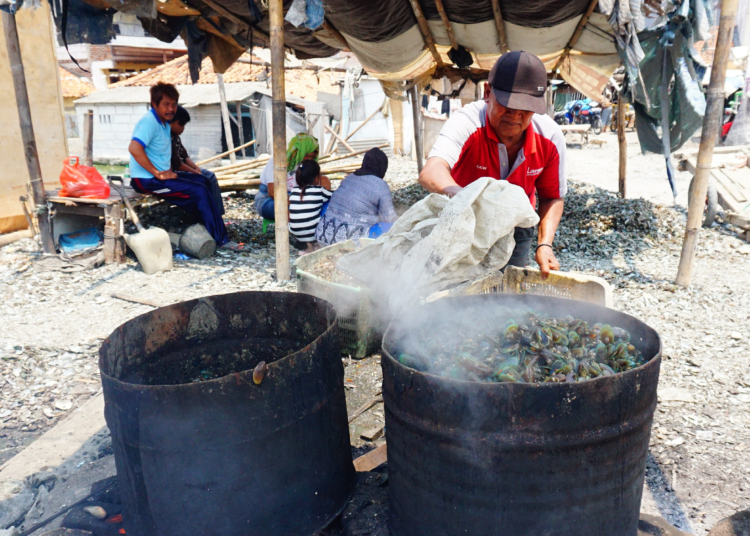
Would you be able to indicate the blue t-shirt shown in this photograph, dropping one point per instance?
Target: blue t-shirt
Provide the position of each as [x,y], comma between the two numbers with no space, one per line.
[156,138]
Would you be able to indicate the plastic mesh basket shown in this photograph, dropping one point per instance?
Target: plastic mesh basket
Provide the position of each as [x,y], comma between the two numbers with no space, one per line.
[360,329]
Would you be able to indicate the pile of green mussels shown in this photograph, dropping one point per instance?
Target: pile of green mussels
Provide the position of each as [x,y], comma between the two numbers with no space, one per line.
[535,349]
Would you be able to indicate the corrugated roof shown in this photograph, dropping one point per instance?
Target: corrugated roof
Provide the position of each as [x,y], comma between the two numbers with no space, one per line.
[73,86]
[190,96]
[301,83]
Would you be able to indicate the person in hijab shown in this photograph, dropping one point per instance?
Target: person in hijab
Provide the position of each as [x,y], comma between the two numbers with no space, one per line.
[362,201]
[301,147]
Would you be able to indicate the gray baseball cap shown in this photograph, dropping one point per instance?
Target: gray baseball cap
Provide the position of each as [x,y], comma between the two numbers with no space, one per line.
[518,80]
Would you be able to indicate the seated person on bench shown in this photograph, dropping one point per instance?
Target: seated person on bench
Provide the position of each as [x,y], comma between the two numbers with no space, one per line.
[181,160]
[150,166]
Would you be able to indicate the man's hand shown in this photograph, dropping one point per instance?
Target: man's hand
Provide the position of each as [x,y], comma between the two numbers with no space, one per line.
[436,177]
[164,175]
[546,260]
[450,191]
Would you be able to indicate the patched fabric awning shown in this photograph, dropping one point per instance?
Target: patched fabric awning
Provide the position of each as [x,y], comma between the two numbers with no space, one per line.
[386,35]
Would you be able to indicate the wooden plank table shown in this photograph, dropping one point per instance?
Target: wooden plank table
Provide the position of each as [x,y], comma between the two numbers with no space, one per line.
[583,130]
[111,209]
[732,182]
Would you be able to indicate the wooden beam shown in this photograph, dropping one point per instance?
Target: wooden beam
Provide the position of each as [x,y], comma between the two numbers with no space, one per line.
[240,129]
[340,139]
[373,114]
[446,23]
[88,138]
[502,40]
[222,155]
[278,113]
[623,145]
[711,121]
[336,35]
[27,131]
[576,34]
[371,460]
[225,118]
[416,109]
[221,10]
[429,41]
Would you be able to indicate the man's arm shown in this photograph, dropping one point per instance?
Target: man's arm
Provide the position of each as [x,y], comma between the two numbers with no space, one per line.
[436,177]
[550,212]
[139,153]
[194,167]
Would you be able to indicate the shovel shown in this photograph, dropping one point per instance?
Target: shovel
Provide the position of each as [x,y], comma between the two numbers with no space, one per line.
[151,246]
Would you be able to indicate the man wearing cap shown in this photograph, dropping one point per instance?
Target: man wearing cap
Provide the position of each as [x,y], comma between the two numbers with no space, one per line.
[507,136]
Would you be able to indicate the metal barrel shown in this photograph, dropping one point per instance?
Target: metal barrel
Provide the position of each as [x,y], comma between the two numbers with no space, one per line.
[228,456]
[551,459]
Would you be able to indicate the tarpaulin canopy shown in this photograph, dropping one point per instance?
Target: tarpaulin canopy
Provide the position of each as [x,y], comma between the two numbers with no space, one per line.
[385,35]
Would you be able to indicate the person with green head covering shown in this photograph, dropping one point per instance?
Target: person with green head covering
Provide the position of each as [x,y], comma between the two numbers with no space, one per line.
[301,147]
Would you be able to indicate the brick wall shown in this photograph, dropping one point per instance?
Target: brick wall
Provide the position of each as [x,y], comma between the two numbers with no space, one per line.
[100,52]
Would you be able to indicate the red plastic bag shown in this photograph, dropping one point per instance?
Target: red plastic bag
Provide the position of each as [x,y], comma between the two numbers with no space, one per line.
[82,181]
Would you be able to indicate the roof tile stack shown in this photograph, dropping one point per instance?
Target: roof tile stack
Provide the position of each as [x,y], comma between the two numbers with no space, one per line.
[73,86]
[300,83]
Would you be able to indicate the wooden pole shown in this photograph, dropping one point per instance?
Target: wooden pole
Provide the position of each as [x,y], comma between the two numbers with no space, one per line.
[225,153]
[426,33]
[499,26]
[446,23]
[576,34]
[339,138]
[363,123]
[711,121]
[225,118]
[278,108]
[416,110]
[239,128]
[27,131]
[623,143]
[88,138]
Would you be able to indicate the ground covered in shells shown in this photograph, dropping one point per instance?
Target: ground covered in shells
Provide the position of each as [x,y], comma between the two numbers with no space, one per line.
[53,323]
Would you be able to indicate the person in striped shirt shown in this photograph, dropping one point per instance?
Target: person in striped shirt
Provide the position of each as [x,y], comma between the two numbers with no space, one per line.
[306,201]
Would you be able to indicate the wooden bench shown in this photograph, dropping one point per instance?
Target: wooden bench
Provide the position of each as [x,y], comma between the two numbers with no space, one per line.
[71,214]
[583,130]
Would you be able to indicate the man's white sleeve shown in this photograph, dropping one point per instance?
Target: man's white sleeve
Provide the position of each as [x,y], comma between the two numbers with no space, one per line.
[462,124]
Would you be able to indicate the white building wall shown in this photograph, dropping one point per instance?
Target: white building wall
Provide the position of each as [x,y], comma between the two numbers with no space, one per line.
[202,136]
[378,126]
[113,128]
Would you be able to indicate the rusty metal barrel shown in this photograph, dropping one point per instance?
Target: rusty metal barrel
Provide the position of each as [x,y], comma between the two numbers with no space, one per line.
[200,447]
[549,459]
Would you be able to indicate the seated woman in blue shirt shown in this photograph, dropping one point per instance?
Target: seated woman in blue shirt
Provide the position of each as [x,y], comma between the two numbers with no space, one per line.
[362,200]
[151,166]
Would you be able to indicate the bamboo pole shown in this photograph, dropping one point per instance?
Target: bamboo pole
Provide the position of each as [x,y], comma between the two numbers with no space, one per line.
[446,23]
[260,159]
[426,33]
[576,34]
[340,139]
[714,108]
[332,142]
[88,138]
[240,129]
[276,19]
[225,118]
[373,114]
[225,153]
[416,110]
[623,143]
[27,131]
[499,26]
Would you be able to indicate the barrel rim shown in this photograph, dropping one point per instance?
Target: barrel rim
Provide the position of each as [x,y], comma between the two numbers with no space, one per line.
[654,361]
[312,345]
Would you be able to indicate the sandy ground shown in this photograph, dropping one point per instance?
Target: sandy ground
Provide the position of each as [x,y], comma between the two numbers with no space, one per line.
[698,471]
